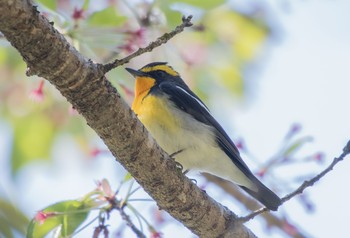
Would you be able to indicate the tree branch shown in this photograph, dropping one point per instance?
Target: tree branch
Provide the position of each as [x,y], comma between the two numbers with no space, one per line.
[129,223]
[49,55]
[305,184]
[186,22]
[272,221]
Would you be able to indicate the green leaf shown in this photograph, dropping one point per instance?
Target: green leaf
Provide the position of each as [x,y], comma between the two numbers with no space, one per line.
[3,55]
[50,4]
[127,177]
[11,58]
[5,229]
[11,218]
[206,4]
[86,4]
[296,145]
[106,17]
[67,214]
[38,230]
[173,17]
[243,34]
[73,221]
[33,137]
[230,77]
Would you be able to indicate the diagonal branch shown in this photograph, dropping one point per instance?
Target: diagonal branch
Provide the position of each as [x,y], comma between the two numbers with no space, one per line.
[49,55]
[186,22]
[311,182]
[272,221]
[305,184]
[129,223]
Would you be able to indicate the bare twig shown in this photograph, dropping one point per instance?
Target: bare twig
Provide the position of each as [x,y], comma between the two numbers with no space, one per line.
[272,221]
[253,214]
[186,22]
[99,229]
[306,184]
[128,221]
[119,206]
[311,182]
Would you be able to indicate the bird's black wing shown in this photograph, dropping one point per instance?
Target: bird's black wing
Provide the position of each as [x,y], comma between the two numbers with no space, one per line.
[185,99]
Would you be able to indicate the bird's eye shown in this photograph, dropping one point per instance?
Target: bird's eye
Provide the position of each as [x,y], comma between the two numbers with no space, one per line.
[160,73]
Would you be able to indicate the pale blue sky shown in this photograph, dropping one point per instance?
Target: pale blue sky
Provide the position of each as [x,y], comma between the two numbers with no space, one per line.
[305,79]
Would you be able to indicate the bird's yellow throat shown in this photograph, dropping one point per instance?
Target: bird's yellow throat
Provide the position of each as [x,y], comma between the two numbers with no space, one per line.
[152,109]
[142,87]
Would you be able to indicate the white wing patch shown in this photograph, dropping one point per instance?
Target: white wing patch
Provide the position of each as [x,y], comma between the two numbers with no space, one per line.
[199,102]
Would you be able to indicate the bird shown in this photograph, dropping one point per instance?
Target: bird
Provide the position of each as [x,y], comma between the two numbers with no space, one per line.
[183,126]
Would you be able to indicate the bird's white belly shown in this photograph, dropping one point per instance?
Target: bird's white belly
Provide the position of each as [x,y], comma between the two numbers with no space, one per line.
[198,146]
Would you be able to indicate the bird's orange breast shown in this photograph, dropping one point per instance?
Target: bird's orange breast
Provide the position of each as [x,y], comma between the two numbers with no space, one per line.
[153,111]
[142,87]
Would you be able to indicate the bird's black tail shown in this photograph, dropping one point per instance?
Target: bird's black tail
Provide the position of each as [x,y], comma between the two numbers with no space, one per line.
[264,195]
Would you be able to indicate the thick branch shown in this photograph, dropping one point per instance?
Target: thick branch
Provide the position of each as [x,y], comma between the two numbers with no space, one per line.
[82,82]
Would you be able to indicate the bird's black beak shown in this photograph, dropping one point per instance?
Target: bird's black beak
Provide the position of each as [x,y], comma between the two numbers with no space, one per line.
[136,73]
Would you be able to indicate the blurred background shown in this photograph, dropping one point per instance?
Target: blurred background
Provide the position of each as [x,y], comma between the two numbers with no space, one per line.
[274,74]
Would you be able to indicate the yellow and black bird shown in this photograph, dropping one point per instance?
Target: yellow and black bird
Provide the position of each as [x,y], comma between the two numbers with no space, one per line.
[180,122]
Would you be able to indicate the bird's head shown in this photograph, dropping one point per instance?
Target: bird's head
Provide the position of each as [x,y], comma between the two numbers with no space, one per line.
[159,71]
[153,74]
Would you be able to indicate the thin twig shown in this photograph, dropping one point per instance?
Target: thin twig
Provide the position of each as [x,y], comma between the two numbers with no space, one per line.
[186,22]
[272,220]
[128,221]
[253,214]
[306,184]
[119,206]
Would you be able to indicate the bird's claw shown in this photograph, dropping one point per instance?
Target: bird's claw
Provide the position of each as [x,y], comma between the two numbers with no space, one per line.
[175,153]
[179,166]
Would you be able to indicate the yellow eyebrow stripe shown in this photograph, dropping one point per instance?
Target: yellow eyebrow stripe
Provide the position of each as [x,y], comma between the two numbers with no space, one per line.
[163,67]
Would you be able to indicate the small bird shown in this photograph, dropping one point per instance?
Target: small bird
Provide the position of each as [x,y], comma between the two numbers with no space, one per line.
[183,125]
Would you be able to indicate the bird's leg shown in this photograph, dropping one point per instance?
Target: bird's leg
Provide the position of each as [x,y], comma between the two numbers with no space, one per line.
[178,165]
[175,153]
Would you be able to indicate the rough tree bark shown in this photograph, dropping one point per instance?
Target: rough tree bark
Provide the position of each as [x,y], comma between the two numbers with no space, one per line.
[82,82]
